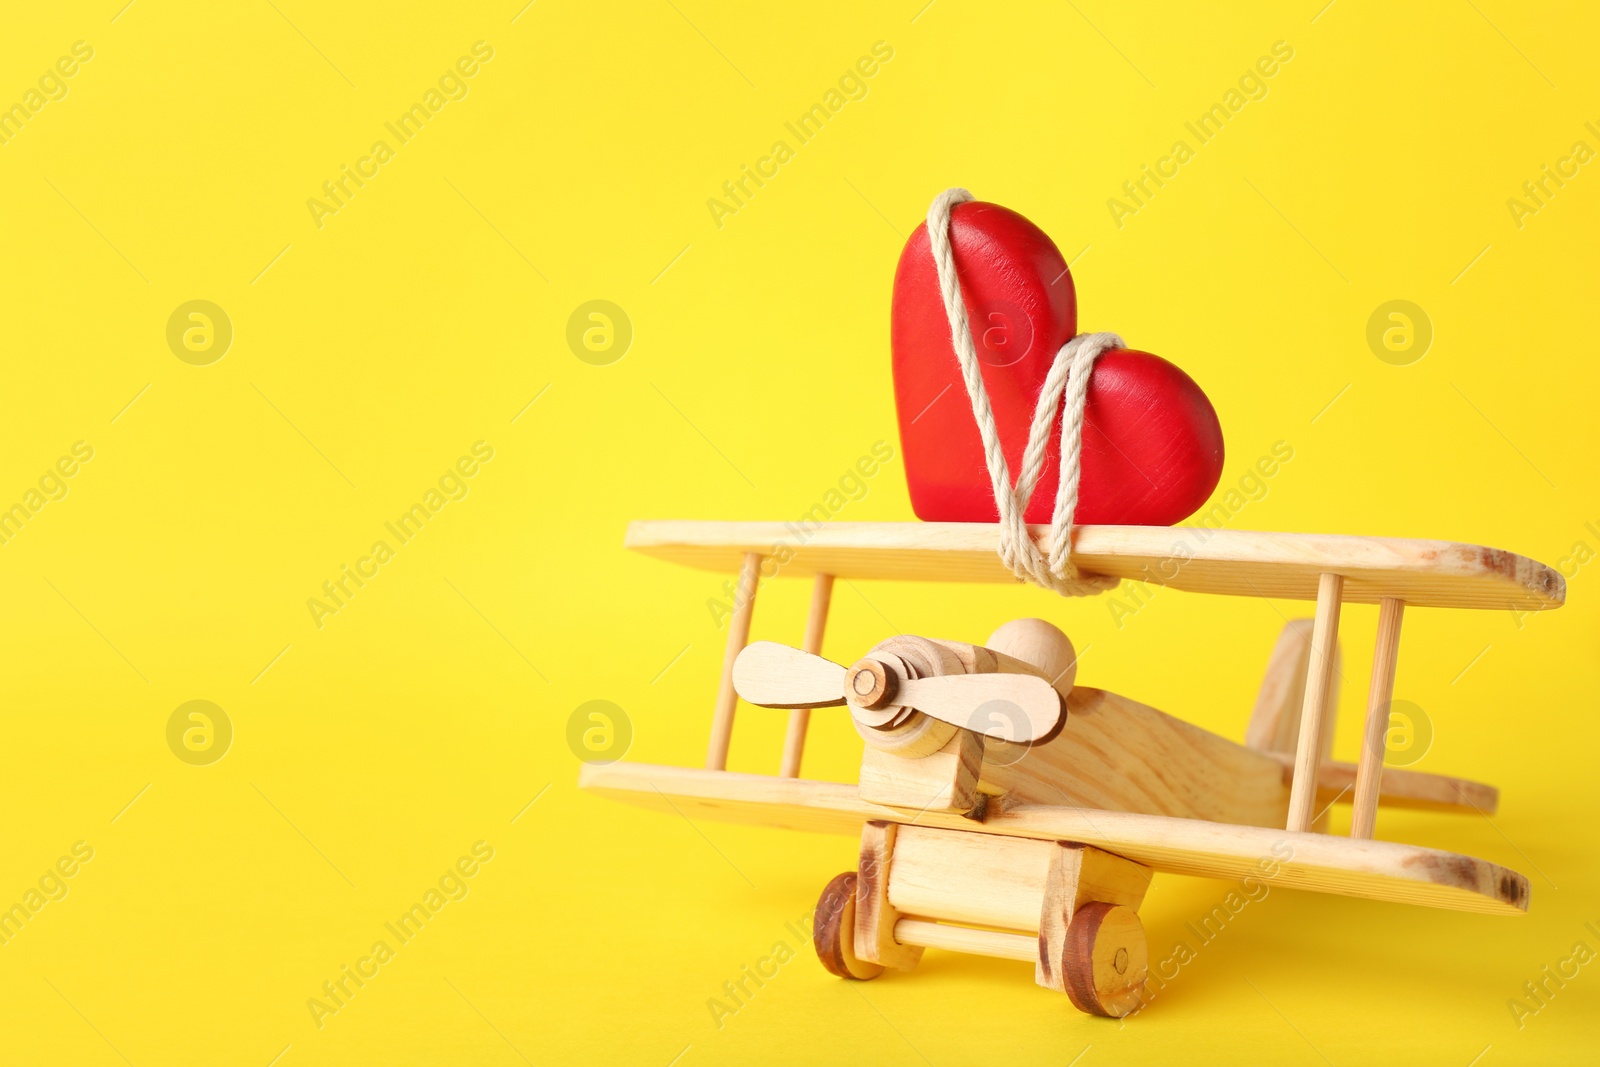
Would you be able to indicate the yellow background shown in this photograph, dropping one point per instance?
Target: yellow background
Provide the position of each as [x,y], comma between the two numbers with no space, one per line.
[431,309]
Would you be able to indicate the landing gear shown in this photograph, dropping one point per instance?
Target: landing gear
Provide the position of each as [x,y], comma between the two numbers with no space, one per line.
[1070,908]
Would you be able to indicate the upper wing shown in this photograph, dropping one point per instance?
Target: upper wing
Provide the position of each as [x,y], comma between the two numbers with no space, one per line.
[1239,562]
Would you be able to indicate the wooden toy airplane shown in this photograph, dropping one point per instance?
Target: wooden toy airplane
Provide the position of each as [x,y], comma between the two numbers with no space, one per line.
[1005,811]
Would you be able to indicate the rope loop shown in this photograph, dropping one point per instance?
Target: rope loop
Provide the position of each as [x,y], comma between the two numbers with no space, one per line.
[1069,380]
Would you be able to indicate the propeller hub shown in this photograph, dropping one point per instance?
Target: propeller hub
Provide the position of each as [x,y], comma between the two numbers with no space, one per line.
[871,684]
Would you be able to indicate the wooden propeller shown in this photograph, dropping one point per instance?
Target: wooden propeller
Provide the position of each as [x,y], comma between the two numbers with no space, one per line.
[1005,706]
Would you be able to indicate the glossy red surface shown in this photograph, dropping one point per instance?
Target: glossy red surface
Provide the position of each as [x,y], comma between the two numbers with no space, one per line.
[1152,445]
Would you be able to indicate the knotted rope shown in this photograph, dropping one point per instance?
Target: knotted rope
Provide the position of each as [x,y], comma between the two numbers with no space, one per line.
[1069,374]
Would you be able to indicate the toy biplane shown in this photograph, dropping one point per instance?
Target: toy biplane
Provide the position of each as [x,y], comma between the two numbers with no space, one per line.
[1004,810]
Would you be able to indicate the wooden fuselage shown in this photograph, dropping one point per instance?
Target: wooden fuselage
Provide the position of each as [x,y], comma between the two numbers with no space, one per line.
[1116,754]
[1120,755]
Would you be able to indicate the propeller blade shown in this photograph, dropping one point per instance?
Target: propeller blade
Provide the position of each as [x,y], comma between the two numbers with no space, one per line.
[777,676]
[1007,707]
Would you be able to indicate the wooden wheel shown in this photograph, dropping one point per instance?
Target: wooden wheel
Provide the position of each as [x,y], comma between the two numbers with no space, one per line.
[834,930]
[1105,960]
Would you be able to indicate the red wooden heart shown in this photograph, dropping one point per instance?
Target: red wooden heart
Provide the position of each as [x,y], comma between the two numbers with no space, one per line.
[1152,446]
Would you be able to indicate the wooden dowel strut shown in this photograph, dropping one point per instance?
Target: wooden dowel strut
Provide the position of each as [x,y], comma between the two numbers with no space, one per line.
[738,636]
[794,742]
[1319,682]
[1369,772]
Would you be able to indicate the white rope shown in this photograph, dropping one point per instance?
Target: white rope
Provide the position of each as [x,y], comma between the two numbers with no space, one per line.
[1069,374]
